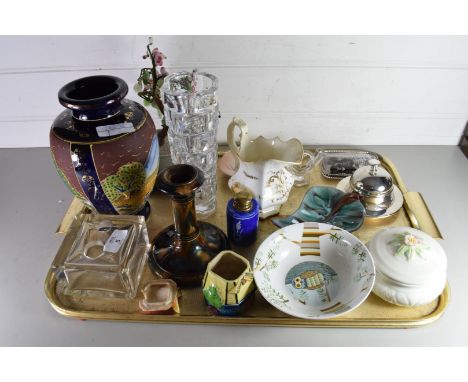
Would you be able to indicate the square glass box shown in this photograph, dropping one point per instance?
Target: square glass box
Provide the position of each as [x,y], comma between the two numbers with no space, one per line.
[106,257]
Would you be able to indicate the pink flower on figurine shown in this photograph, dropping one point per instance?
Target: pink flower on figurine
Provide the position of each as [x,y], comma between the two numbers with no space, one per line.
[158,56]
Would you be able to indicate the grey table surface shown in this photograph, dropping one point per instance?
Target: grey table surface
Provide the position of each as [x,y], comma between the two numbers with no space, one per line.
[34,200]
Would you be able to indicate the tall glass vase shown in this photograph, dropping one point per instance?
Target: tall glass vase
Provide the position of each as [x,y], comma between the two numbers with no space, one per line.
[192,113]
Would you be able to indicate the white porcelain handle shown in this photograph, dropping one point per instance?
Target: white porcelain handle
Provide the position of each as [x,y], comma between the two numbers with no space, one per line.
[236,122]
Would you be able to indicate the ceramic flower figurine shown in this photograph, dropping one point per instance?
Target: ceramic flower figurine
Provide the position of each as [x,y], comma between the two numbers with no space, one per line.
[407,245]
[150,81]
[261,167]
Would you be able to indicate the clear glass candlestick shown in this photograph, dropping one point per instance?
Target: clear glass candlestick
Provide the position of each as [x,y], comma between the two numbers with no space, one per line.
[192,113]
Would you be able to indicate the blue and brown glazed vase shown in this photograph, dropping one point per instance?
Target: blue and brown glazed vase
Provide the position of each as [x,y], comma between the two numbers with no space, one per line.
[105,147]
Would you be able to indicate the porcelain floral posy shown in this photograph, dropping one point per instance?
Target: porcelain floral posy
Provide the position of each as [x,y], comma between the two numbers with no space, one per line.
[261,167]
[408,245]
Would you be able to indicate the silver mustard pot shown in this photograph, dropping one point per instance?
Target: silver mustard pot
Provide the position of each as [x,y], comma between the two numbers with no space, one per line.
[374,186]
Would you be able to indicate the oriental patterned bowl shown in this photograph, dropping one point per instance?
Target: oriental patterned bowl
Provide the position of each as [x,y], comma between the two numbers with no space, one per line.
[313,270]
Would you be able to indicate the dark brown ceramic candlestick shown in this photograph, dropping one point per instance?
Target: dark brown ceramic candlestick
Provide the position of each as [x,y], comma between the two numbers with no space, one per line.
[183,250]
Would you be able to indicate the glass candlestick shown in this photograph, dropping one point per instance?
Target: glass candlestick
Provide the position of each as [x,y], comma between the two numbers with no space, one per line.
[183,250]
[192,114]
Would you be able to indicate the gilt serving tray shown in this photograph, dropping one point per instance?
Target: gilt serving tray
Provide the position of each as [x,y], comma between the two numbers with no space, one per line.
[374,312]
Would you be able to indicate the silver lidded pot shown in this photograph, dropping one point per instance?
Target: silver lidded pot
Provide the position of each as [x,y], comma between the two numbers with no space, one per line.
[374,186]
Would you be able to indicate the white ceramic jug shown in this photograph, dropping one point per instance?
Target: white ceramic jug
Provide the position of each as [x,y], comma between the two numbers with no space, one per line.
[261,167]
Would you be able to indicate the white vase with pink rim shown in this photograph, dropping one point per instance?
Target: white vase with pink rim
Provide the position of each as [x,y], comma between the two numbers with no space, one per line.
[261,167]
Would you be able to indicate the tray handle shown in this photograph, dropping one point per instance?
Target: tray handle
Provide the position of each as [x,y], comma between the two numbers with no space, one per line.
[415,206]
[76,207]
[419,214]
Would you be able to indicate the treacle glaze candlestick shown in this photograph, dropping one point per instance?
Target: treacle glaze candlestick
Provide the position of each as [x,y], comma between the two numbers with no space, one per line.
[183,250]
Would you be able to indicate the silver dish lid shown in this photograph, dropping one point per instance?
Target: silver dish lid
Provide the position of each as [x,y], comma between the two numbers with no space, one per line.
[372,180]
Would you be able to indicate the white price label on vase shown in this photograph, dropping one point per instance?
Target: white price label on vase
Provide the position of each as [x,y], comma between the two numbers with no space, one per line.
[115,129]
[115,241]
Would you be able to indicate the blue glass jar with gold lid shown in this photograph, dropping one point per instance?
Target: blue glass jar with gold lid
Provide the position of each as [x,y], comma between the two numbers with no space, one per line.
[242,219]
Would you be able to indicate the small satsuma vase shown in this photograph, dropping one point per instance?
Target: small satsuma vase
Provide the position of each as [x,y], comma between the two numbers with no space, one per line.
[105,147]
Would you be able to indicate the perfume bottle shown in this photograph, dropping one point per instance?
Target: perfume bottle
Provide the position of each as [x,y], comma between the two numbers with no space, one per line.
[242,219]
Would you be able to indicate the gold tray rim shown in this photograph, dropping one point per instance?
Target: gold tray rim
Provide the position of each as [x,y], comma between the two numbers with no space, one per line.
[341,321]
[443,300]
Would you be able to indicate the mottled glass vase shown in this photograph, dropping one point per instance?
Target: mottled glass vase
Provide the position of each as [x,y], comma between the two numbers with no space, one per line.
[192,114]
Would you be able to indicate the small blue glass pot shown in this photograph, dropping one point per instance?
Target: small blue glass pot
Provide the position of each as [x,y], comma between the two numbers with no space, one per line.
[242,226]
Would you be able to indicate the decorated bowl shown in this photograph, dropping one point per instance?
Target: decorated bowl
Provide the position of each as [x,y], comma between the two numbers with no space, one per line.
[313,270]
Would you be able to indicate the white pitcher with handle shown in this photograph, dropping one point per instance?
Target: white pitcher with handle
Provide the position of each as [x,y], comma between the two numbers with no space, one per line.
[261,167]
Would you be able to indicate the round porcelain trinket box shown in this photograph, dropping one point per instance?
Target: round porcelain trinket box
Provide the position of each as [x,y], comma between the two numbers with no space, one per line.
[410,266]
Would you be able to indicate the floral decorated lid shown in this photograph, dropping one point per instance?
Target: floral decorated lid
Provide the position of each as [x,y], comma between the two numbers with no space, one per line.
[408,256]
